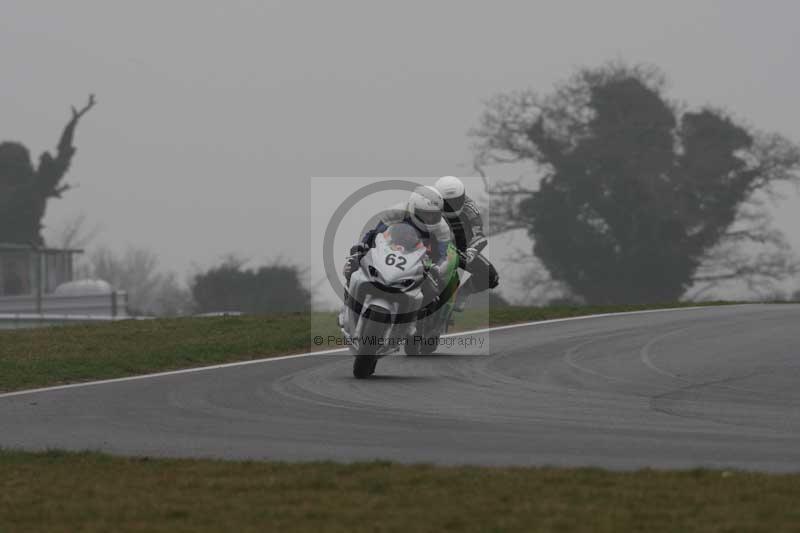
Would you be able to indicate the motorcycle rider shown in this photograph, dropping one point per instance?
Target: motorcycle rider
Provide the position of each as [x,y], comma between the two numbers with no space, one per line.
[423,211]
[462,215]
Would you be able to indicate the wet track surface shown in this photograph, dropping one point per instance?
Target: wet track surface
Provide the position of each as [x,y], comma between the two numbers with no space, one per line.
[717,387]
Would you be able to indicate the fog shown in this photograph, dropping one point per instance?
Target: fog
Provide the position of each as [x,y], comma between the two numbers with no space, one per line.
[212,117]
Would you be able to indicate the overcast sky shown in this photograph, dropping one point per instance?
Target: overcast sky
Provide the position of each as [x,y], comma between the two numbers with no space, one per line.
[211,116]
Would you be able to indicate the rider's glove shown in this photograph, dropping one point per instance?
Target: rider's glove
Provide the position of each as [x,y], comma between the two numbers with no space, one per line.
[438,272]
[470,254]
[359,249]
[349,267]
[353,261]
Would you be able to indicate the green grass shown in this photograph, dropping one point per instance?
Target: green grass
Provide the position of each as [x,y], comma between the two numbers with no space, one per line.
[47,356]
[63,492]
[69,354]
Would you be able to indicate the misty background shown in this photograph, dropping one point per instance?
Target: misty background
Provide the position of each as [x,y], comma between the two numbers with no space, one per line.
[211,118]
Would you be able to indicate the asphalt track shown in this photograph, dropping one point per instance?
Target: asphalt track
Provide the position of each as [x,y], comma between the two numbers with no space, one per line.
[713,387]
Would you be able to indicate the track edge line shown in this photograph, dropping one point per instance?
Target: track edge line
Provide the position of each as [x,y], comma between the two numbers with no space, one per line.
[339,350]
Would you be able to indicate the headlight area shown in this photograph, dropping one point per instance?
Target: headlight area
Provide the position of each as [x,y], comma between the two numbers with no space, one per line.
[397,286]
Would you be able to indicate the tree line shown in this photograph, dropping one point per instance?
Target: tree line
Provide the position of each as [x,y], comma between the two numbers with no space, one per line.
[229,287]
[639,199]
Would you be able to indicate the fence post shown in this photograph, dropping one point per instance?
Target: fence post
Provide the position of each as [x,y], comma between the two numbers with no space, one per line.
[39,280]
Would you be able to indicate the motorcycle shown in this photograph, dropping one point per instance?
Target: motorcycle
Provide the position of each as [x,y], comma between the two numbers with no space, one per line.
[394,301]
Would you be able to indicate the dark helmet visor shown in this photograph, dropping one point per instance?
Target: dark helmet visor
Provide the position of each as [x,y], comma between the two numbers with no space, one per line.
[428,217]
[454,205]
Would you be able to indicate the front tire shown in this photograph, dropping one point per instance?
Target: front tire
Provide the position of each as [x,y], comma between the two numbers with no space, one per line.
[365,359]
[364,366]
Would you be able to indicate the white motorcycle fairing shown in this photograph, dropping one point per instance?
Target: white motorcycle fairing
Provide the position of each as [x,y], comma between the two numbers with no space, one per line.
[384,290]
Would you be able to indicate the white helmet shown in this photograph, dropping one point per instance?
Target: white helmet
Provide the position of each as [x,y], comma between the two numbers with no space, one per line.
[425,207]
[452,191]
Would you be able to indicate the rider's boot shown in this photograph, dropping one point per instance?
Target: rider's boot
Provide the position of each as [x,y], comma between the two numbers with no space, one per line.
[462,297]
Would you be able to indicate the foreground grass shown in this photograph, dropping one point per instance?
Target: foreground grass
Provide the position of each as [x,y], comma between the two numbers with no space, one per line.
[69,354]
[91,492]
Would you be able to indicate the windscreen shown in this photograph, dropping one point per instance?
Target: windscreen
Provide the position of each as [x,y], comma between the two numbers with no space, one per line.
[402,238]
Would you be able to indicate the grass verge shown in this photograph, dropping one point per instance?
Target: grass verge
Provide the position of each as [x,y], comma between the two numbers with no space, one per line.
[69,354]
[89,492]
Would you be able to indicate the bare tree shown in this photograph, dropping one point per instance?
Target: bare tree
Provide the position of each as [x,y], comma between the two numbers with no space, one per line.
[752,253]
[135,271]
[73,232]
[25,190]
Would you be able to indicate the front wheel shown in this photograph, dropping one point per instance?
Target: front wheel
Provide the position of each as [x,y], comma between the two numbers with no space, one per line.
[364,366]
[365,359]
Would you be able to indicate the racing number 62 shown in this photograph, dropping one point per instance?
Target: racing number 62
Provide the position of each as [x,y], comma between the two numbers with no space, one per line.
[398,262]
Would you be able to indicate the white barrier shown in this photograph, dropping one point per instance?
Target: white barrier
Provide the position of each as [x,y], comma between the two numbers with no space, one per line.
[32,320]
[112,305]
